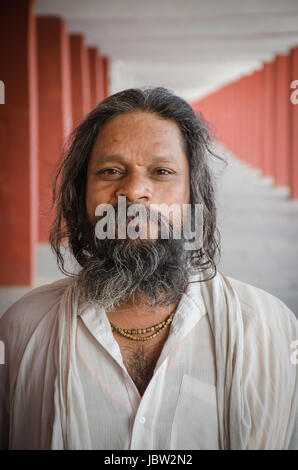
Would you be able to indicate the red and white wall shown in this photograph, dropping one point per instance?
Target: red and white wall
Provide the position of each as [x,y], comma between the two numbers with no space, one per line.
[52,79]
[256,118]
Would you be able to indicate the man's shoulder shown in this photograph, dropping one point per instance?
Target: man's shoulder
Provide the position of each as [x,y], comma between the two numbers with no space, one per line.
[261,307]
[268,368]
[34,305]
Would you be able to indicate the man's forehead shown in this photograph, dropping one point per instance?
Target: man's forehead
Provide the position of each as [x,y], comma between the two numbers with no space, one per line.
[155,128]
[106,158]
[119,139]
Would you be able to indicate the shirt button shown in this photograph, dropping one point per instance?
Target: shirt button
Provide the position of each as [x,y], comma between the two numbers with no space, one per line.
[142,419]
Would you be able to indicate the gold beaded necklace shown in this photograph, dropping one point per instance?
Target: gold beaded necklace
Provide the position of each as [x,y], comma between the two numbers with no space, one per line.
[155,330]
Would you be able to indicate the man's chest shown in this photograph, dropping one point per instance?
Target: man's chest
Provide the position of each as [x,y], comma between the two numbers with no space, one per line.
[140,360]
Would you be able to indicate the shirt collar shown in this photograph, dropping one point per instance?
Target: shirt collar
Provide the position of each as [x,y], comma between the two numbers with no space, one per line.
[189,310]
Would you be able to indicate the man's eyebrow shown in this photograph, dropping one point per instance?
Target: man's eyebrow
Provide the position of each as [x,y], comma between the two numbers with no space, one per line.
[121,158]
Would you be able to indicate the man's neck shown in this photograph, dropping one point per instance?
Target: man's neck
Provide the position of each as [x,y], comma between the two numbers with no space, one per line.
[139,315]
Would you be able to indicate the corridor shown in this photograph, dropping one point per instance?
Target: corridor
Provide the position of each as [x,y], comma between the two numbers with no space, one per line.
[259,227]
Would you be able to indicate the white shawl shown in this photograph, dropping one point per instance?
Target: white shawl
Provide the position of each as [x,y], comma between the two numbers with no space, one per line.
[256,382]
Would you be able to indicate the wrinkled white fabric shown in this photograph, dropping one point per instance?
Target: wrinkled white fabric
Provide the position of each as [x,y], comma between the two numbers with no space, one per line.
[224,379]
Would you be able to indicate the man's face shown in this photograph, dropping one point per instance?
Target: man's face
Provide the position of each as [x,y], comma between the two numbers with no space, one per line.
[141,156]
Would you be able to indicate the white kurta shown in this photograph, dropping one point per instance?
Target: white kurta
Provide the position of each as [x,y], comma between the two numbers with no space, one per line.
[224,379]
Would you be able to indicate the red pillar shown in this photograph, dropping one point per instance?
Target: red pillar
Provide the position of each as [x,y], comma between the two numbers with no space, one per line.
[236,124]
[54,109]
[254,119]
[269,115]
[242,119]
[94,76]
[294,124]
[259,116]
[106,75]
[282,116]
[18,143]
[80,78]
[248,118]
[101,77]
[231,117]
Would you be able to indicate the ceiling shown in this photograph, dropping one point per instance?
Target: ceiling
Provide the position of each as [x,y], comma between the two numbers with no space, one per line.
[189,46]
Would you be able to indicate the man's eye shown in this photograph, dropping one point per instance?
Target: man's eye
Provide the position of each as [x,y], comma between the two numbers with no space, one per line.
[164,172]
[108,171]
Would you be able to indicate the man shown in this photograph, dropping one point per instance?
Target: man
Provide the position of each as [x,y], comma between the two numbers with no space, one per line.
[148,346]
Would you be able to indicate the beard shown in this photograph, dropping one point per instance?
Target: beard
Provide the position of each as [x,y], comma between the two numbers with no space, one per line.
[153,272]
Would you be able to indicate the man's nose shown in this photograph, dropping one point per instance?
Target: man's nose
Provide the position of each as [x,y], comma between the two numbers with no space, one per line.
[135,187]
